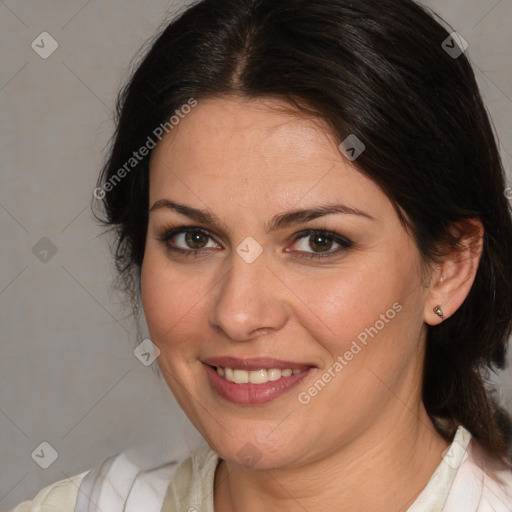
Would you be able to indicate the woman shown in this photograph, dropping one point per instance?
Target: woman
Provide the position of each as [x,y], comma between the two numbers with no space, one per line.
[308,199]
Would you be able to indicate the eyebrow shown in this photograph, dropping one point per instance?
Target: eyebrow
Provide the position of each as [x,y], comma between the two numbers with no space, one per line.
[278,222]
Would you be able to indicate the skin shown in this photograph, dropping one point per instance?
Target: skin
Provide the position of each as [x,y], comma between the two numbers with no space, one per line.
[365,442]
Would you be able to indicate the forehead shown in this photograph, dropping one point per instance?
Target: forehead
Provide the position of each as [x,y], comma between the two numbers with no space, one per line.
[228,134]
[258,156]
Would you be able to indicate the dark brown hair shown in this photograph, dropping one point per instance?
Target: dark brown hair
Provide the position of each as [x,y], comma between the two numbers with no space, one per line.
[377,70]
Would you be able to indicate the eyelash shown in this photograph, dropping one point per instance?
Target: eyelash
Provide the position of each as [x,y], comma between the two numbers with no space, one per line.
[170,233]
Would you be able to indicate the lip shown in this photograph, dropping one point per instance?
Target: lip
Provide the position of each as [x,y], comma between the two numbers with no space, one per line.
[251,394]
[255,363]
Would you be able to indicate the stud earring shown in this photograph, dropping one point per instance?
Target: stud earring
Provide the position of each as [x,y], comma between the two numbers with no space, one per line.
[438,311]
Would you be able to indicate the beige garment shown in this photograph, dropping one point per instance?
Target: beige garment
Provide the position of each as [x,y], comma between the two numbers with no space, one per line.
[58,497]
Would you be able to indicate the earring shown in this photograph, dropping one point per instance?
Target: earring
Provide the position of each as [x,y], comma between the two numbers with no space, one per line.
[438,311]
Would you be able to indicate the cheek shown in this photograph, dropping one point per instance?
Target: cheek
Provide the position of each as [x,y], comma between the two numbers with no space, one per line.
[372,313]
[166,297]
[347,300]
[369,324]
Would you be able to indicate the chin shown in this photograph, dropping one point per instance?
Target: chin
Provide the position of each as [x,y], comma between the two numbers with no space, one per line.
[249,453]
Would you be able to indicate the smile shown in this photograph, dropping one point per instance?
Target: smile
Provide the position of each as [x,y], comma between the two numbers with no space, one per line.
[251,387]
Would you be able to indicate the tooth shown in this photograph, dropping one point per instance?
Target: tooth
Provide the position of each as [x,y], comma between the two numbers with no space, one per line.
[274,374]
[240,376]
[258,376]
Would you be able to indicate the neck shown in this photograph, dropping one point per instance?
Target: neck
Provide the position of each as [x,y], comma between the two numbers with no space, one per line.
[386,468]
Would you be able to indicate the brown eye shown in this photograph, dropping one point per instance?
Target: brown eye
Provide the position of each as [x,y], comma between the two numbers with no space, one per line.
[196,239]
[320,242]
[188,240]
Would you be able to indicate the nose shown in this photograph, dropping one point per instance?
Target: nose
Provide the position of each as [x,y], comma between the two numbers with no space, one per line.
[250,300]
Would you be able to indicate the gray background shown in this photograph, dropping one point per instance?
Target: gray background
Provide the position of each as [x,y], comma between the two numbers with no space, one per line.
[68,375]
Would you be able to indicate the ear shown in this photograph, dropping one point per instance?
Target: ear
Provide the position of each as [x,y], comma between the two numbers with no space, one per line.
[452,278]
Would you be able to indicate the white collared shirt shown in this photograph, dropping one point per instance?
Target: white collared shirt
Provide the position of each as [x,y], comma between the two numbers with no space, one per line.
[466,480]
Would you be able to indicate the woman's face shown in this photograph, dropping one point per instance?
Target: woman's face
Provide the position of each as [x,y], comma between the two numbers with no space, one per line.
[337,294]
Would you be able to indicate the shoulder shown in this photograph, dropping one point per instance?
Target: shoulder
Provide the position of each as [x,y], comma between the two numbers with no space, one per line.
[496,480]
[60,496]
[482,484]
[130,481]
[122,482]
